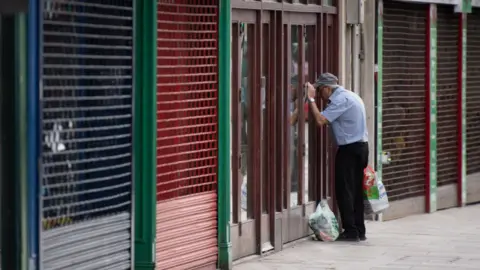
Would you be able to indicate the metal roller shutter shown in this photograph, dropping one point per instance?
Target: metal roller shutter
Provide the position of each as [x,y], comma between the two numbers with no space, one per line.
[187,134]
[86,125]
[447,94]
[404,52]
[473,92]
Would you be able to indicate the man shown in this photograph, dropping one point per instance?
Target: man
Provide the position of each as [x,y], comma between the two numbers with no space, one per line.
[345,112]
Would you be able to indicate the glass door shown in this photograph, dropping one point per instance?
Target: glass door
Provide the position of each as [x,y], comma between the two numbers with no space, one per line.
[280,157]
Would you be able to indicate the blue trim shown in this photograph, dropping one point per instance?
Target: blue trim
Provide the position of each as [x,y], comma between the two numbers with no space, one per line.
[40,4]
[33,100]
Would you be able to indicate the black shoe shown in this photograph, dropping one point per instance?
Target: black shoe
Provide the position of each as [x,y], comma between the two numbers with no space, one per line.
[363,238]
[347,238]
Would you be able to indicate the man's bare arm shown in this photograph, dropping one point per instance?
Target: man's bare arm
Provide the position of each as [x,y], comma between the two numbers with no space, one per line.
[319,118]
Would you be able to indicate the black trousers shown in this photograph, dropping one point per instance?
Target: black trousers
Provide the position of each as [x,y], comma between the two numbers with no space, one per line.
[350,161]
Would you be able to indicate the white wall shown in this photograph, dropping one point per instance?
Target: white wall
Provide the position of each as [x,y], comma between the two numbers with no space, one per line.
[342,76]
[357,74]
[367,70]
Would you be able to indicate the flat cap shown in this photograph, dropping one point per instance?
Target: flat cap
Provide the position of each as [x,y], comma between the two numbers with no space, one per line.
[326,79]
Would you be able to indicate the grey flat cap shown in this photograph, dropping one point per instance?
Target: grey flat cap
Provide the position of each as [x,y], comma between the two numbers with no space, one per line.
[326,79]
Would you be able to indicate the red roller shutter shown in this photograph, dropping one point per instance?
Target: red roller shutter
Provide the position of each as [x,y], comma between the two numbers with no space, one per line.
[187,91]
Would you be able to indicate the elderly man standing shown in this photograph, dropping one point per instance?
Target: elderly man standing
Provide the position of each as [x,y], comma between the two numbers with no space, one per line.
[345,112]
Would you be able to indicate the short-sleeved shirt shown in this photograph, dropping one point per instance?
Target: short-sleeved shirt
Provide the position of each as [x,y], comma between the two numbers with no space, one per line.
[347,116]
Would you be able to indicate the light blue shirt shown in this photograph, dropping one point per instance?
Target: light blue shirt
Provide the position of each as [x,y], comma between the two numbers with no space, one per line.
[347,116]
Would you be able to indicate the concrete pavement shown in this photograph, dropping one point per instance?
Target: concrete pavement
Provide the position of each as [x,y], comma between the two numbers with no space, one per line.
[448,239]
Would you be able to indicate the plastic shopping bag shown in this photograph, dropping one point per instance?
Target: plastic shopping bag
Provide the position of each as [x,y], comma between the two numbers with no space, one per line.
[375,195]
[324,223]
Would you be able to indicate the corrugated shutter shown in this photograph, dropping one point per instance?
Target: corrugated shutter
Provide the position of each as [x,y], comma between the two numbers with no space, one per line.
[473,92]
[404,52]
[447,94]
[187,99]
[86,125]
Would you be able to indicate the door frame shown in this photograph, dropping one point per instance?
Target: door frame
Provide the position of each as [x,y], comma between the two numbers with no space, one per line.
[277,222]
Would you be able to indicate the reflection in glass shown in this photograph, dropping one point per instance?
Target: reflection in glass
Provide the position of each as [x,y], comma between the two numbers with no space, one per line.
[294,85]
[244,95]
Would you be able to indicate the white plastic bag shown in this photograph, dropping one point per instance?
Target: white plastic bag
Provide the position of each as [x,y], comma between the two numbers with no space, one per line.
[375,195]
[324,223]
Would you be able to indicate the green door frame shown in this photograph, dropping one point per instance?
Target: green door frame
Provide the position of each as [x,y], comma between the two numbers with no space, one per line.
[224,54]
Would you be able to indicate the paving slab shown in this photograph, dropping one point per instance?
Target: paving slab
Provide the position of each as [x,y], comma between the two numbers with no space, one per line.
[447,239]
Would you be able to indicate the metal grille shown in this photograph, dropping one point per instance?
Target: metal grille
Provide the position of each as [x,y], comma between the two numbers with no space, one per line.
[473,92]
[86,125]
[187,133]
[447,94]
[404,51]
[187,98]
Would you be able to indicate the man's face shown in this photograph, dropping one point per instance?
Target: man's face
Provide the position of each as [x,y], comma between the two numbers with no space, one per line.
[325,93]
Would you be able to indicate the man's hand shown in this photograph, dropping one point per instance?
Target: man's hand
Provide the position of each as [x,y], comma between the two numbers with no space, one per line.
[310,90]
[311,93]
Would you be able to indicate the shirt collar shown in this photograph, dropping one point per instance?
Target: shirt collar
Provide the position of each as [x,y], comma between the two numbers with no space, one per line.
[335,93]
